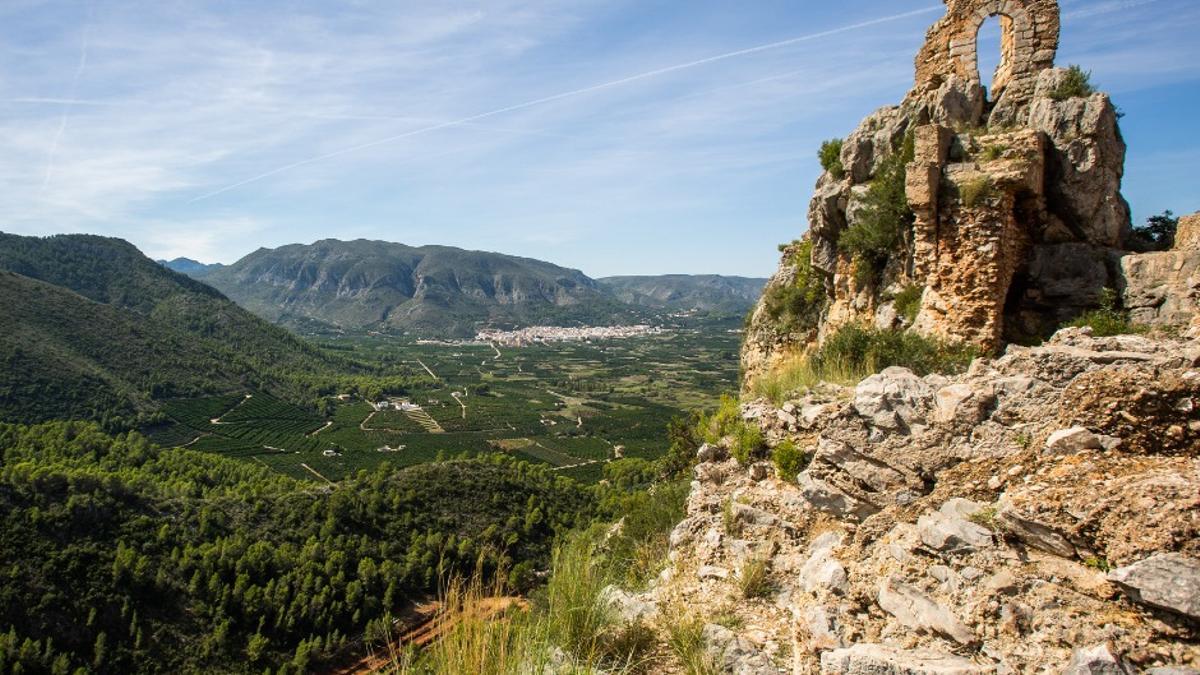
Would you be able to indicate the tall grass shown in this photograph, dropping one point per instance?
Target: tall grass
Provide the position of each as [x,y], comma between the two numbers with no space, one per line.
[685,637]
[854,352]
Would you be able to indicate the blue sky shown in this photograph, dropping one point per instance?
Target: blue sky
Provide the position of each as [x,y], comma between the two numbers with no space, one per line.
[594,134]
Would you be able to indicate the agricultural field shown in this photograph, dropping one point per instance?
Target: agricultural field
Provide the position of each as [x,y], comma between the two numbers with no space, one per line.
[575,406]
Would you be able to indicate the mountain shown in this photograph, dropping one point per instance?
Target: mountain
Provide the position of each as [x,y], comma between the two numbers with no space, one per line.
[95,329]
[708,292]
[443,290]
[192,268]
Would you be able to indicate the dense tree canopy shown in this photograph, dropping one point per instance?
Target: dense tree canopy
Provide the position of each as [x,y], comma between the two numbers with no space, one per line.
[118,556]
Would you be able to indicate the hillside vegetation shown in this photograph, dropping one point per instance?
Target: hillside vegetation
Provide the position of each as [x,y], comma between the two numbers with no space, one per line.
[96,330]
[121,557]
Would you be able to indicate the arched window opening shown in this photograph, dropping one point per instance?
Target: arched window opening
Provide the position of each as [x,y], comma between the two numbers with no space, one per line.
[989,47]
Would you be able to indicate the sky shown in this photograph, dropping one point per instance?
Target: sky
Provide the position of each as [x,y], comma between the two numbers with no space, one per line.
[612,136]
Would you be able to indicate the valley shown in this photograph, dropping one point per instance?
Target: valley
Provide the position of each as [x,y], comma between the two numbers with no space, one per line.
[573,406]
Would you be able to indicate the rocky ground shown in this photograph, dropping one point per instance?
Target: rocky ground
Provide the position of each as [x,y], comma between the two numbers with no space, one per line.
[1040,513]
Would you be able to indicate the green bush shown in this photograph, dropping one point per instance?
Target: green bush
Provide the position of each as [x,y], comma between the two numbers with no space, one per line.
[797,306]
[908,302]
[830,155]
[875,350]
[879,229]
[788,459]
[1109,319]
[1076,84]
[747,443]
[975,191]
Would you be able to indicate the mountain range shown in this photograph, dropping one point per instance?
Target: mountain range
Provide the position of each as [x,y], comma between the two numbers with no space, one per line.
[442,290]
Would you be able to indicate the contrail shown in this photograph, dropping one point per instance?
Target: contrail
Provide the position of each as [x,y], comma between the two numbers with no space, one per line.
[66,110]
[568,94]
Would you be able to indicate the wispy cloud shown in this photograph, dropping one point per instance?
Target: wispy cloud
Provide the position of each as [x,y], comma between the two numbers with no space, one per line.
[550,128]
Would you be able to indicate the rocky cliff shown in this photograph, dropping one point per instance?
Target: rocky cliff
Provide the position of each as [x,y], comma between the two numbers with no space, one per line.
[1040,513]
[1001,211]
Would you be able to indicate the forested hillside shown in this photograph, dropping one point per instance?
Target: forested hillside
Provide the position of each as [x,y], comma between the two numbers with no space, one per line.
[96,330]
[120,557]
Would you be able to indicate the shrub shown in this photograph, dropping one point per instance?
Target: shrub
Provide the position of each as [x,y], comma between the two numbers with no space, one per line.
[873,350]
[1109,319]
[880,225]
[722,422]
[975,191]
[908,302]
[1077,83]
[830,155]
[747,443]
[797,306]
[788,459]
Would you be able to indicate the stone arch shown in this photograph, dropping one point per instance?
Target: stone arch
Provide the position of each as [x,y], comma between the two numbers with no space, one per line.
[1029,44]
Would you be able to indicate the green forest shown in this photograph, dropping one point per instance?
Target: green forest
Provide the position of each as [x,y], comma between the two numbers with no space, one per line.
[118,556]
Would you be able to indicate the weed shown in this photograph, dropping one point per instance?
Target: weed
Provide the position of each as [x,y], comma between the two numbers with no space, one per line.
[993,152]
[975,191]
[730,523]
[1109,319]
[880,226]
[685,638]
[1024,440]
[754,579]
[908,302]
[985,517]
[1098,563]
[727,617]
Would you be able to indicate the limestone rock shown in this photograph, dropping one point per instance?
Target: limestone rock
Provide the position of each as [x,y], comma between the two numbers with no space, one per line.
[1071,441]
[825,497]
[948,530]
[823,571]
[1097,660]
[916,610]
[875,659]
[894,399]
[1187,234]
[1167,581]
[629,607]
[711,453]
[1162,288]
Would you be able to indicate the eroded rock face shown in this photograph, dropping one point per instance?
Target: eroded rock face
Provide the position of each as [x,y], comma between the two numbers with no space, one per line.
[965,524]
[1018,219]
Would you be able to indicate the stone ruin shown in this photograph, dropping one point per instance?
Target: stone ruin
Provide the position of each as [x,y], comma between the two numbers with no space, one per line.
[1018,219]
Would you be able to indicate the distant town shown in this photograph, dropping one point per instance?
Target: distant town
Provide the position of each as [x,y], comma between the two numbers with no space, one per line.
[535,334]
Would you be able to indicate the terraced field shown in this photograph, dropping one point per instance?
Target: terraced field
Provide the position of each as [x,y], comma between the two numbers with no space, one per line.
[567,404]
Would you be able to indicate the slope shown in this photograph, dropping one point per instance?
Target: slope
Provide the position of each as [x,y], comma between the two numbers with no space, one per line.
[705,292]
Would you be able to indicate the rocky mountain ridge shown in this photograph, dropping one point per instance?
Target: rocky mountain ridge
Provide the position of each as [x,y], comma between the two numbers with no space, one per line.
[386,286]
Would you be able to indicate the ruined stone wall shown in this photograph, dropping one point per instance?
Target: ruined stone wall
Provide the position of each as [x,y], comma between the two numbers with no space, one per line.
[1029,42]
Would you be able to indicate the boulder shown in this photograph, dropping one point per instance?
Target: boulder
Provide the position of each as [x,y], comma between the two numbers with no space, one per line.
[876,659]
[823,571]
[916,610]
[1168,581]
[629,607]
[949,531]
[1097,660]
[736,654]
[1071,441]
[1034,533]
[893,400]
[827,498]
